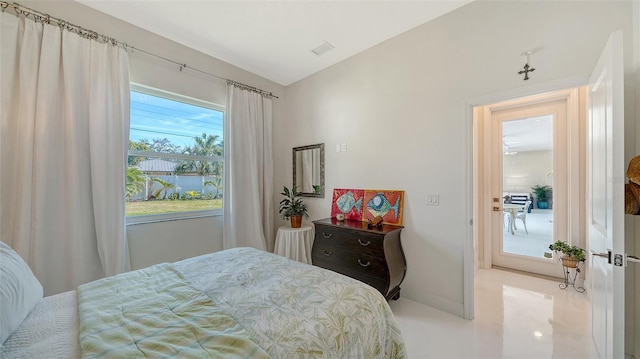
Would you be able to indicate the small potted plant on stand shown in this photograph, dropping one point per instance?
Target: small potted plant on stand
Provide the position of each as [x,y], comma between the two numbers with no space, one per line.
[571,255]
[543,194]
[292,207]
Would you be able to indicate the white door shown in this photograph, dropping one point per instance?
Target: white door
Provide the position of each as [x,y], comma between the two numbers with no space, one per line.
[605,202]
[529,147]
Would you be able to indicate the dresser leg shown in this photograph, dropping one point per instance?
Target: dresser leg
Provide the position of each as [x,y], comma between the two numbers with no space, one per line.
[393,294]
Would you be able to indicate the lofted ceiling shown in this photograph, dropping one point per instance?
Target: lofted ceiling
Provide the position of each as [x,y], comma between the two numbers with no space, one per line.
[275,39]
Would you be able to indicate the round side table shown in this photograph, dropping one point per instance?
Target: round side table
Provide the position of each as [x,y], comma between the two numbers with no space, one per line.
[295,243]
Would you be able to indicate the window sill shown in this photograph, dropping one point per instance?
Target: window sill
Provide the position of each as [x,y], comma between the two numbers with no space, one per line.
[156,218]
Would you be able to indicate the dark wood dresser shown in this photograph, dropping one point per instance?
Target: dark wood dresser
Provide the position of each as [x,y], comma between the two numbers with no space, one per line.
[373,256]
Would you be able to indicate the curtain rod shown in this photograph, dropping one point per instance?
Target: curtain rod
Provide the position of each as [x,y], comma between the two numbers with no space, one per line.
[90,34]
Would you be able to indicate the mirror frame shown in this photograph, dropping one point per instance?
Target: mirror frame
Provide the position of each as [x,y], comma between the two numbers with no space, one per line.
[310,147]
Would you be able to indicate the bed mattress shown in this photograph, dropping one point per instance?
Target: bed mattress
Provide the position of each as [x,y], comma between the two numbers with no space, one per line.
[291,309]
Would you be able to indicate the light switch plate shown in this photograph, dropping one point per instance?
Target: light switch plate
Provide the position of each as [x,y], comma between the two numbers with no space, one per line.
[433,199]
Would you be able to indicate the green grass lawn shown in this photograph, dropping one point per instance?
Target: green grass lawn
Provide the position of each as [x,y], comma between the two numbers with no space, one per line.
[143,208]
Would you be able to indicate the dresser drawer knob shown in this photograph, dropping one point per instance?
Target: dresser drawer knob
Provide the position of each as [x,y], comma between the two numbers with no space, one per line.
[363,264]
[362,243]
[325,235]
[327,253]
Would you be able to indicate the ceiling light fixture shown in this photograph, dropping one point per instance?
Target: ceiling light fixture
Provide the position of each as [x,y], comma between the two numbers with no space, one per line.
[323,48]
[505,150]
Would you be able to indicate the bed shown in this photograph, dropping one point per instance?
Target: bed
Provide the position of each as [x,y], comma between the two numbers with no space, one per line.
[237,303]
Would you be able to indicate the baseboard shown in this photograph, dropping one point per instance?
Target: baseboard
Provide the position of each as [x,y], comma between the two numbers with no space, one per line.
[434,301]
[555,279]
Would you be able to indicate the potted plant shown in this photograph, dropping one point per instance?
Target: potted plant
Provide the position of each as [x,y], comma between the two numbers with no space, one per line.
[571,255]
[292,207]
[543,194]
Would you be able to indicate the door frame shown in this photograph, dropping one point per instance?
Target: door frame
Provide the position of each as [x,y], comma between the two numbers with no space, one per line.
[471,174]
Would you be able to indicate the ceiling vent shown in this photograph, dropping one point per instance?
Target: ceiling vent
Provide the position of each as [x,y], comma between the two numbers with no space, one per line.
[322,48]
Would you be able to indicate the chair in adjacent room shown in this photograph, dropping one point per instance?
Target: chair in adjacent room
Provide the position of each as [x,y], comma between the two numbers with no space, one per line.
[522,215]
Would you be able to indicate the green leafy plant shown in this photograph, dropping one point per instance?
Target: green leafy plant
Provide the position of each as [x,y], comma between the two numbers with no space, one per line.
[191,195]
[292,204]
[543,193]
[217,183]
[574,252]
[166,186]
[135,182]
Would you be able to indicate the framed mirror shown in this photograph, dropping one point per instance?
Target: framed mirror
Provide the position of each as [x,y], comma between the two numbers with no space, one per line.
[308,170]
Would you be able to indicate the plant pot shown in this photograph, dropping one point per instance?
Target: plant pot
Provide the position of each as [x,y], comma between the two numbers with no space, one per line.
[570,262]
[296,221]
[543,205]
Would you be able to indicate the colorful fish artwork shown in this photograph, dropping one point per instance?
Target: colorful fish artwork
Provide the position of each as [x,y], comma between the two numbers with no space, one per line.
[364,205]
[348,202]
[386,204]
[379,206]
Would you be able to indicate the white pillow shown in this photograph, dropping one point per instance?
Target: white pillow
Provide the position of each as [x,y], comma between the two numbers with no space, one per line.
[20,291]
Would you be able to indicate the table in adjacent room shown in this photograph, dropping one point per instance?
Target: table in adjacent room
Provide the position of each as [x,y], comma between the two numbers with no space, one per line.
[512,209]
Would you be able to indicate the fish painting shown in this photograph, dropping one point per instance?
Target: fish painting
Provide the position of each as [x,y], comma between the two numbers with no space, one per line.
[380,206]
[347,202]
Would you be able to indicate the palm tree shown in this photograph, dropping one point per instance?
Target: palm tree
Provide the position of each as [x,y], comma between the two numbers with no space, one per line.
[136,180]
[204,145]
[137,146]
[215,182]
[165,187]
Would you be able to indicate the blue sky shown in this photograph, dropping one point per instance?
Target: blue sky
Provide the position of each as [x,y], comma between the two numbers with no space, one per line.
[156,117]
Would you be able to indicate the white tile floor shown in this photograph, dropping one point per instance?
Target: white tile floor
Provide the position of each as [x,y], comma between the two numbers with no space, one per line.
[534,243]
[517,316]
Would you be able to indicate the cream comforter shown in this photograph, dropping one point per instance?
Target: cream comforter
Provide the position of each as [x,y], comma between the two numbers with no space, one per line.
[295,310]
[289,309]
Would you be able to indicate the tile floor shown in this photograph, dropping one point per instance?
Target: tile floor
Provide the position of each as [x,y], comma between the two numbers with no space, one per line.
[516,316]
[534,243]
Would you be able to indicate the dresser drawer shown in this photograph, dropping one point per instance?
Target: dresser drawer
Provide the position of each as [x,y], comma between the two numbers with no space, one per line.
[351,240]
[378,283]
[374,266]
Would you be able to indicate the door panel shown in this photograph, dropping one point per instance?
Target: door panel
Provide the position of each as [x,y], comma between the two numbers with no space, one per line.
[524,248]
[605,205]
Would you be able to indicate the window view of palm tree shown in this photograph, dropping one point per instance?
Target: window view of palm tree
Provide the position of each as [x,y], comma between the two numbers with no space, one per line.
[176,155]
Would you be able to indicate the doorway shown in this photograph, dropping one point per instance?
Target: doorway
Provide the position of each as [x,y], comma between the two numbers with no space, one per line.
[522,145]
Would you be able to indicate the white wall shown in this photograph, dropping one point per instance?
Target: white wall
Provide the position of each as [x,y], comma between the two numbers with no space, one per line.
[401,107]
[525,169]
[174,240]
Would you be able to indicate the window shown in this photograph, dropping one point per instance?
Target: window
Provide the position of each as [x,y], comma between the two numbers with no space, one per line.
[176,159]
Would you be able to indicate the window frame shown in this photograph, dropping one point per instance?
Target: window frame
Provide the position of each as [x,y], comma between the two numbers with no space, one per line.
[174,216]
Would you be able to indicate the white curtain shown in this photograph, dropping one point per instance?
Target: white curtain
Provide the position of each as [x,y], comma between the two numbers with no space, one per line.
[63,147]
[248,173]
